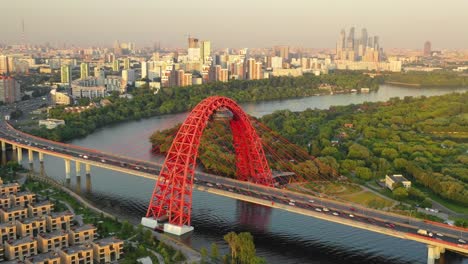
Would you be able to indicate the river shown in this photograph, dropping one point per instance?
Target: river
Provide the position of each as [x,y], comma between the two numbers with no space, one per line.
[280,237]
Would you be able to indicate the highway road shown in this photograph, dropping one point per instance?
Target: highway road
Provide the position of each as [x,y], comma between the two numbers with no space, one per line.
[317,205]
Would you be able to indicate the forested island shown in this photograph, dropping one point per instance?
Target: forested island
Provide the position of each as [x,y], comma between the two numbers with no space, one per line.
[425,139]
[146,103]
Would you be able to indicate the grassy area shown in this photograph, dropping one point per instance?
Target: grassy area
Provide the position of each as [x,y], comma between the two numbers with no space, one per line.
[368,199]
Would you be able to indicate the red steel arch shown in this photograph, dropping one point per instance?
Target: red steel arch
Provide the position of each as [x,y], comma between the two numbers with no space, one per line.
[172,195]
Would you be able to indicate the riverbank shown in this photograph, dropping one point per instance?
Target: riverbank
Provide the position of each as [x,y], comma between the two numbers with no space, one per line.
[190,254]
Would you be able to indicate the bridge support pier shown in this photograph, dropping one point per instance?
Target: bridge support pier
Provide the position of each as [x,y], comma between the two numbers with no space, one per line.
[88,169]
[3,146]
[167,228]
[78,168]
[433,253]
[30,156]
[20,154]
[88,177]
[67,169]
[41,157]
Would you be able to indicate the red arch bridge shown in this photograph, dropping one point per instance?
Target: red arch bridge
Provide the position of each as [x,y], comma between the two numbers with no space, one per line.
[171,200]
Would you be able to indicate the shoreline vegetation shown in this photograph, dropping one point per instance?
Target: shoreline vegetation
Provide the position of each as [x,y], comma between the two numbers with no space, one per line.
[172,100]
[427,79]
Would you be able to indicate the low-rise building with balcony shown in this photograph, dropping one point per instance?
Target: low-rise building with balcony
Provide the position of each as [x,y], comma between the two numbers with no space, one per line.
[23,199]
[5,201]
[20,248]
[107,250]
[31,226]
[9,188]
[40,209]
[82,254]
[13,213]
[82,234]
[52,241]
[44,258]
[59,221]
[7,232]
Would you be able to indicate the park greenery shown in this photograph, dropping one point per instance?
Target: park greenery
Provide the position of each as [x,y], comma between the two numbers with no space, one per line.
[421,138]
[428,79]
[146,103]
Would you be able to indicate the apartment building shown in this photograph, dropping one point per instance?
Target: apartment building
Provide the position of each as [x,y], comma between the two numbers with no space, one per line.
[20,248]
[9,188]
[82,254]
[31,226]
[23,199]
[47,242]
[7,232]
[82,234]
[107,250]
[44,258]
[40,209]
[59,221]
[13,213]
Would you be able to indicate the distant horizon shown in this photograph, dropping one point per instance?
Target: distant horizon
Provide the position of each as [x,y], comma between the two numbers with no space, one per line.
[253,24]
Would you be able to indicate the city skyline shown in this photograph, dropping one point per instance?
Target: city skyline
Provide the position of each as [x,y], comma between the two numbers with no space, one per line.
[403,25]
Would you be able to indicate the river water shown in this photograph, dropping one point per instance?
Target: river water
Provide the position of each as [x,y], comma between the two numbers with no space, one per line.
[280,237]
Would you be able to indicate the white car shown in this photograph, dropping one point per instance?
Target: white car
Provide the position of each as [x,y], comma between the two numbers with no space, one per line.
[325,209]
[439,234]
[430,234]
[311,201]
[462,241]
[209,184]
[335,214]
[351,215]
[103,161]
[85,157]
[292,204]
[318,209]
[292,201]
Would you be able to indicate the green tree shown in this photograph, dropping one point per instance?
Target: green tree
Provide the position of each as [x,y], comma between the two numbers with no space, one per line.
[400,193]
[204,254]
[364,173]
[214,251]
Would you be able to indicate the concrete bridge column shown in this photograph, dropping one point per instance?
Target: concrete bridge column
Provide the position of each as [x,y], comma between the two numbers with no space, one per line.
[3,146]
[20,154]
[41,157]
[433,253]
[30,156]
[88,177]
[78,168]
[67,169]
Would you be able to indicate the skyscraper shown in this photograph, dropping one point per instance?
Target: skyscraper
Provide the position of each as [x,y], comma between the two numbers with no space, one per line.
[65,74]
[282,51]
[4,69]
[364,37]
[341,45]
[126,63]
[427,48]
[350,40]
[144,69]
[205,51]
[116,65]
[84,70]
[193,43]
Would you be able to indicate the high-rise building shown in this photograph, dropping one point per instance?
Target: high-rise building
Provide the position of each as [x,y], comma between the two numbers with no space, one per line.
[282,51]
[364,37]
[126,63]
[100,75]
[341,45]
[205,51]
[427,48]
[116,65]
[144,69]
[128,75]
[350,40]
[193,43]
[9,90]
[4,69]
[276,62]
[65,74]
[84,70]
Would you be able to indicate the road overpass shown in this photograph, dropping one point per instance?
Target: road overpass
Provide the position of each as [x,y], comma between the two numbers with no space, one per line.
[444,237]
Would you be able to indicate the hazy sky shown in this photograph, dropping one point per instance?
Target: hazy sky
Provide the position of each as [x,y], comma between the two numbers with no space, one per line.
[238,23]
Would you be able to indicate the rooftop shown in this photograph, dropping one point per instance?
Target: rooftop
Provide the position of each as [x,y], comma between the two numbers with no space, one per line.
[60,214]
[53,234]
[21,241]
[43,257]
[31,220]
[107,241]
[75,249]
[10,184]
[397,178]
[24,193]
[13,209]
[46,202]
[84,228]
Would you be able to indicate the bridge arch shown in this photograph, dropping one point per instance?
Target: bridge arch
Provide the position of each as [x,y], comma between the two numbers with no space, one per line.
[172,195]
